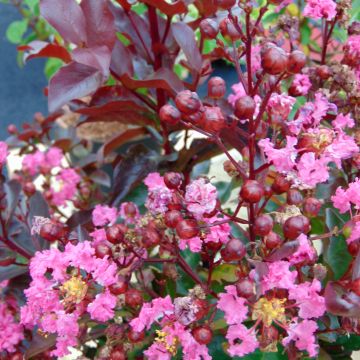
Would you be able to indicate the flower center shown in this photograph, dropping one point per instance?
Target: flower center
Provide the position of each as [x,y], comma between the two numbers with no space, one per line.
[74,289]
[269,310]
[162,339]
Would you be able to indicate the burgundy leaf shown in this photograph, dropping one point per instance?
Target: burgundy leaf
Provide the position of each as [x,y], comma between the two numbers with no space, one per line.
[284,251]
[39,344]
[101,177]
[97,57]
[67,17]
[72,81]
[121,60]
[162,79]
[177,7]
[100,23]
[37,49]
[185,37]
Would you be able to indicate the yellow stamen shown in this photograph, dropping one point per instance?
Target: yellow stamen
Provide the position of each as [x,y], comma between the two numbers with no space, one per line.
[269,310]
[74,289]
[161,339]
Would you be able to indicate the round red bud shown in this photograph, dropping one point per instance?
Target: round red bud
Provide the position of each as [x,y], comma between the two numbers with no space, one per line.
[272,240]
[119,287]
[209,28]
[228,29]
[274,60]
[150,238]
[102,250]
[263,225]
[29,189]
[295,226]
[234,250]
[188,102]
[296,62]
[133,297]
[135,336]
[312,207]
[252,191]
[323,71]
[294,197]
[118,353]
[187,229]
[216,87]
[280,185]
[173,180]
[115,233]
[52,231]
[169,114]
[213,119]
[172,218]
[245,288]
[245,107]
[355,286]
[202,334]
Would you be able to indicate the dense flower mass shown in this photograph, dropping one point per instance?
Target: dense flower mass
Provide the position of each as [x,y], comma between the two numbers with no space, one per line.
[204,226]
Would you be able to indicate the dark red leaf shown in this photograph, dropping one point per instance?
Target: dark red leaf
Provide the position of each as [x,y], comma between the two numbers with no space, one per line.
[118,140]
[177,7]
[284,251]
[39,344]
[162,79]
[121,60]
[81,217]
[71,82]
[101,177]
[67,17]
[11,271]
[97,57]
[37,49]
[100,24]
[185,37]
[63,144]
[124,4]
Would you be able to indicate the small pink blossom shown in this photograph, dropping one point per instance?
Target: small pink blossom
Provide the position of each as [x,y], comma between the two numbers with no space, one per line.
[341,201]
[37,223]
[159,196]
[301,83]
[242,340]
[310,303]
[312,171]
[280,106]
[238,92]
[151,312]
[303,336]
[284,158]
[3,152]
[11,333]
[218,233]
[154,181]
[228,302]
[305,251]
[40,160]
[194,244]
[342,121]
[157,351]
[355,233]
[68,180]
[352,51]
[99,236]
[124,214]
[102,308]
[318,9]
[201,197]
[104,215]
[278,276]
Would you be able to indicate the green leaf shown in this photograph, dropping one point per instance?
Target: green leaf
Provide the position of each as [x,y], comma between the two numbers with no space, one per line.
[52,66]
[16,31]
[226,272]
[31,4]
[337,255]
[305,32]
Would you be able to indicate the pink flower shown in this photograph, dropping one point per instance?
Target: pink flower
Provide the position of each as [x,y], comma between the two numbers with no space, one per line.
[200,197]
[303,336]
[102,308]
[31,162]
[343,147]
[228,302]
[11,333]
[159,195]
[53,157]
[352,51]
[255,58]
[312,171]
[157,351]
[301,84]
[99,236]
[283,159]
[278,276]
[81,255]
[355,233]
[3,152]
[342,121]
[305,251]
[68,180]
[341,201]
[37,223]
[129,218]
[280,106]
[154,181]
[105,271]
[318,9]
[242,341]
[194,244]
[353,193]
[310,303]
[217,233]
[151,312]
[103,215]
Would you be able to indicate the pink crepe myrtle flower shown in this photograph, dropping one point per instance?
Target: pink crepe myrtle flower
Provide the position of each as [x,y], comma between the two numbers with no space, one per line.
[318,9]
[303,336]
[280,105]
[228,302]
[278,276]
[104,215]
[242,341]
[238,92]
[352,51]
[343,199]
[3,152]
[42,160]
[68,180]
[131,219]
[159,196]
[255,58]
[283,159]
[301,83]
[308,300]
[194,244]
[102,308]
[343,121]
[99,236]
[11,332]
[305,251]
[152,312]
[355,233]
[201,197]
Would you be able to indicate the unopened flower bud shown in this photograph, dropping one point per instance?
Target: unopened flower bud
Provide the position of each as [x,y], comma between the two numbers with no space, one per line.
[188,102]
[274,60]
[209,28]
[169,114]
[216,87]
